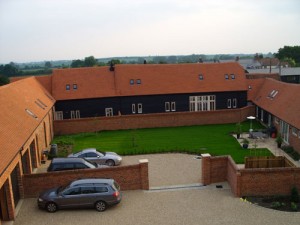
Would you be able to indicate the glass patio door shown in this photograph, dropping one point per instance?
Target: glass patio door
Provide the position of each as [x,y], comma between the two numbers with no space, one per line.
[284,130]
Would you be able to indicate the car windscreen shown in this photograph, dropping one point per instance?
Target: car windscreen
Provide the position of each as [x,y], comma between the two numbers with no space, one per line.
[103,153]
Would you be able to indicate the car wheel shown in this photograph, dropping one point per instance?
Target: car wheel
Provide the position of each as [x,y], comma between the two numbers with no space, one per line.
[51,207]
[110,162]
[100,206]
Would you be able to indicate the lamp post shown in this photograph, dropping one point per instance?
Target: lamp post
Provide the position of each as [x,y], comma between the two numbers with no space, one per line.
[250,118]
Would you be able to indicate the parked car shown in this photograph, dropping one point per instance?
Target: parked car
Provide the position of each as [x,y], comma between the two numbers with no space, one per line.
[59,164]
[99,157]
[82,193]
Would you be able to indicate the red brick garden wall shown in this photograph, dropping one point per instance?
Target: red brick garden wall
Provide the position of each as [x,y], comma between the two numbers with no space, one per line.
[275,181]
[250,182]
[151,120]
[233,176]
[130,177]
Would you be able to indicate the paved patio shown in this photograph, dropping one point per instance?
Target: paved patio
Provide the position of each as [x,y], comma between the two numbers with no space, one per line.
[269,143]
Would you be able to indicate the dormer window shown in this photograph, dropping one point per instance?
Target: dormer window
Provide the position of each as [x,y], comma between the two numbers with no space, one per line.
[138,81]
[226,77]
[200,77]
[68,87]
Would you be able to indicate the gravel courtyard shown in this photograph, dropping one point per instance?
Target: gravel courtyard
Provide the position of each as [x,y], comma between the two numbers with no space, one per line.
[169,169]
[206,205]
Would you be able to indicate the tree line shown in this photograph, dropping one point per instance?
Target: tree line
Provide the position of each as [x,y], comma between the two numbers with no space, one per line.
[290,54]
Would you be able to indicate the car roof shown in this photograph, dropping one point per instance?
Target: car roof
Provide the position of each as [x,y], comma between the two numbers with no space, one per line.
[62,160]
[93,181]
[88,150]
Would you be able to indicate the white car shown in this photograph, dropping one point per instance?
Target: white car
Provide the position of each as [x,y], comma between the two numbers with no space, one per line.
[93,155]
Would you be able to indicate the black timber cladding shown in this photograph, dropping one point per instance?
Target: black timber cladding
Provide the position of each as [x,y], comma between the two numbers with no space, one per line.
[150,103]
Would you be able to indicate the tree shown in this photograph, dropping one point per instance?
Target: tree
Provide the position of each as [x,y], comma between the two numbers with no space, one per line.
[48,64]
[90,61]
[9,70]
[292,52]
[3,80]
[114,62]
[77,63]
[172,59]
[290,61]
[159,59]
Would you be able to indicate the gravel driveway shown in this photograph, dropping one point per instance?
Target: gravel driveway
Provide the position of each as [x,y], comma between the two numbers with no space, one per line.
[169,169]
[205,205]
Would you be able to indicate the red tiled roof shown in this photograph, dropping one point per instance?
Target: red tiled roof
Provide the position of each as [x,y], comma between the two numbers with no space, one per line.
[16,124]
[285,104]
[254,85]
[92,82]
[98,82]
[45,80]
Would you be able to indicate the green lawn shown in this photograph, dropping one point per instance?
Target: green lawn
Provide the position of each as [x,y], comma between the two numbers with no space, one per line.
[213,139]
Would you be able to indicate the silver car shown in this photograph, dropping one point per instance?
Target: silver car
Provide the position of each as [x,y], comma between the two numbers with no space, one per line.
[87,193]
[93,155]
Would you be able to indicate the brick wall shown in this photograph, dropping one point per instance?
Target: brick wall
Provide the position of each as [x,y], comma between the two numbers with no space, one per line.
[214,169]
[275,181]
[249,182]
[233,176]
[152,120]
[130,177]
[295,142]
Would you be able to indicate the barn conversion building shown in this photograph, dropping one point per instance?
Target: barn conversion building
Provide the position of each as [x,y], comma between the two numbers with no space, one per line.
[35,108]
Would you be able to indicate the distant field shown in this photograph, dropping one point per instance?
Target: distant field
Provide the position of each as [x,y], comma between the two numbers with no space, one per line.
[213,139]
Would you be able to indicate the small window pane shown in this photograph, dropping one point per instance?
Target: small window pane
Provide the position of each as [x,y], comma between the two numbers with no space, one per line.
[69,166]
[87,190]
[68,87]
[138,81]
[140,108]
[75,86]
[82,155]
[131,82]
[101,189]
[226,76]
[133,108]
[91,154]
[228,103]
[80,166]
[72,191]
[173,106]
[232,76]
[234,103]
[167,106]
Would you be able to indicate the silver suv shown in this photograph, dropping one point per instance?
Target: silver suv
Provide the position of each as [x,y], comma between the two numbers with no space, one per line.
[83,193]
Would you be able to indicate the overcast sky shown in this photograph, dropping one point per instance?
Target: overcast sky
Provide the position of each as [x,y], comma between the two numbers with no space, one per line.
[38,30]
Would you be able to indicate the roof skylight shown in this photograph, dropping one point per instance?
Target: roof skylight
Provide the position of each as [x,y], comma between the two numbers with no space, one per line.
[31,113]
[273,93]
